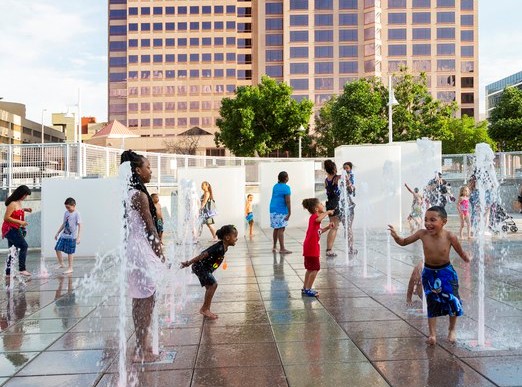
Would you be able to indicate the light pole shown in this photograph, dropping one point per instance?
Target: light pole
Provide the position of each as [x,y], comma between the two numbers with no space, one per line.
[78,135]
[391,103]
[43,138]
[301,131]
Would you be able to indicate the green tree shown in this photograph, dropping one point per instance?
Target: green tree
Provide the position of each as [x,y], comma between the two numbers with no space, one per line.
[261,119]
[323,137]
[465,134]
[506,120]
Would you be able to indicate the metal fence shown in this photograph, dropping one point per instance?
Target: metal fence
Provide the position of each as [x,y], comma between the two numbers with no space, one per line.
[30,163]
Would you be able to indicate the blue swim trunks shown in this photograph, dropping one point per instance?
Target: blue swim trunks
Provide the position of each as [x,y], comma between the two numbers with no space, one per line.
[441,287]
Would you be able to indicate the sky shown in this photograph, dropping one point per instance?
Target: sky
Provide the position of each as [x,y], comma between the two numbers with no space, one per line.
[51,48]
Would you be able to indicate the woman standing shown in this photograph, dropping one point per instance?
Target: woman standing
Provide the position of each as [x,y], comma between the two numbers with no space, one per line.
[280,211]
[333,195]
[207,214]
[144,252]
[13,228]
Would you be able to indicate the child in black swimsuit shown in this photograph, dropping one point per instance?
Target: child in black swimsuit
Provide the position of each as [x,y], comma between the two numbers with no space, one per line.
[209,260]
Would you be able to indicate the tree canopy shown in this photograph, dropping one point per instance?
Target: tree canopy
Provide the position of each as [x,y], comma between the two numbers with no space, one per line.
[261,119]
[465,134]
[506,120]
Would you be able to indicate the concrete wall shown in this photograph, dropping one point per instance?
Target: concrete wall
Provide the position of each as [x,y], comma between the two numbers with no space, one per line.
[228,187]
[302,184]
[98,201]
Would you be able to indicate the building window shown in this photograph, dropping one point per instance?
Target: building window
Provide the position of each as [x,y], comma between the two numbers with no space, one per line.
[446,81]
[467,51]
[145,11]
[349,19]
[118,14]
[324,83]
[323,20]
[397,34]
[182,58]
[119,30]
[194,10]
[467,66]
[274,55]
[298,4]
[446,17]
[274,8]
[467,98]
[145,26]
[396,49]
[117,77]
[323,52]
[344,36]
[446,96]
[218,9]
[323,4]
[158,42]
[274,71]
[145,42]
[421,3]
[348,51]
[445,65]
[170,10]
[466,20]
[169,26]
[118,46]
[298,52]
[446,49]
[421,34]
[421,18]
[445,33]
[274,39]
[324,68]
[467,112]
[299,36]
[298,68]
[446,3]
[397,18]
[396,3]
[466,5]
[145,59]
[348,4]
[273,24]
[299,84]
[421,65]
[182,26]
[467,36]
[421,49]
[369,17]
[298,20]
[348,67]
[157,58]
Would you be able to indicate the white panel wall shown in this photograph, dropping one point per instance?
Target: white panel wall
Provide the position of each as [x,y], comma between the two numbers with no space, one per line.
[301,176]
[228,188]
[420,160]
[379,167]
[97,200]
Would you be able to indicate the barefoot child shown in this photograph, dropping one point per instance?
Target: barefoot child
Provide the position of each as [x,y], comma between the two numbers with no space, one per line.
[439,279]
[209,260]
[415,284]
[13,228]
[159,215]
[463,209]
[249,214]
[311,247]
[415,216]
[68,235]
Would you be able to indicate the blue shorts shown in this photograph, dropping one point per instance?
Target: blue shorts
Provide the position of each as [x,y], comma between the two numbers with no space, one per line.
[278,220]
[67,245]
[441,287]
[250,217]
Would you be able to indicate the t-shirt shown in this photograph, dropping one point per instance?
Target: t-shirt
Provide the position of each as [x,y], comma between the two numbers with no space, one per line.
[216,255]
[278,203]
[71,220]
[311,247]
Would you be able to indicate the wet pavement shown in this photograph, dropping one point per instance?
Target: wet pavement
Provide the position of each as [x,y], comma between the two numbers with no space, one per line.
[359,332]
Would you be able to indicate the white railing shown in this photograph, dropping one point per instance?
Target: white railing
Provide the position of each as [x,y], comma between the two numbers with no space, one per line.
[30,163]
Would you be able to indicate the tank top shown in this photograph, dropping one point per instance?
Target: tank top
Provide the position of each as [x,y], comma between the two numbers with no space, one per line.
[6,226]
[332,188]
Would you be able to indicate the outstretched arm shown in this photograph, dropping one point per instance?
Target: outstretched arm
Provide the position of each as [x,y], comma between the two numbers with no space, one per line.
[409,189]
[404,241]
[458,248]
[201,256]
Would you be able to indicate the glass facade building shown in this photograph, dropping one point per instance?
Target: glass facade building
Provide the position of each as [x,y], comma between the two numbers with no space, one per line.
[495,89]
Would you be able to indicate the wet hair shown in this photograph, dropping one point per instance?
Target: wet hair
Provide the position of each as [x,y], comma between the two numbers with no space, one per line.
[137,161]
[282,177]
[439,210]
[310,204]
[330,167]
[153,194]
[209,189]
[250,196]
[416,190]
[18,194]
[70,202]
[226,230]
[349,163]
[464,187]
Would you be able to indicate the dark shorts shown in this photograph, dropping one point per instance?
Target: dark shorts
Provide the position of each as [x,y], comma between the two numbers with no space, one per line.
[206,278]
[159,225]
[333,204]
[441,287]
[66,245]
[312,263]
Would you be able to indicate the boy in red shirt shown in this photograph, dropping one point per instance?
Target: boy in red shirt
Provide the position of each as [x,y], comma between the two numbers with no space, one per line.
[311,247]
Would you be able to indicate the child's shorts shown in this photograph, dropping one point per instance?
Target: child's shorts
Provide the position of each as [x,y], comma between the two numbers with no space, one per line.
[312,263]
[66,245]
[206,278]
[441,287]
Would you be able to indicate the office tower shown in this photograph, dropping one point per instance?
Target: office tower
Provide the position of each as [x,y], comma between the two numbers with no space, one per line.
[494,90]
[318,45]
[171,63]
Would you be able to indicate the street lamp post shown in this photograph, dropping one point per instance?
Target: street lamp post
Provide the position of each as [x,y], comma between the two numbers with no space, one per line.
[78,136]
[391,103]
[301,131]
[43,132]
